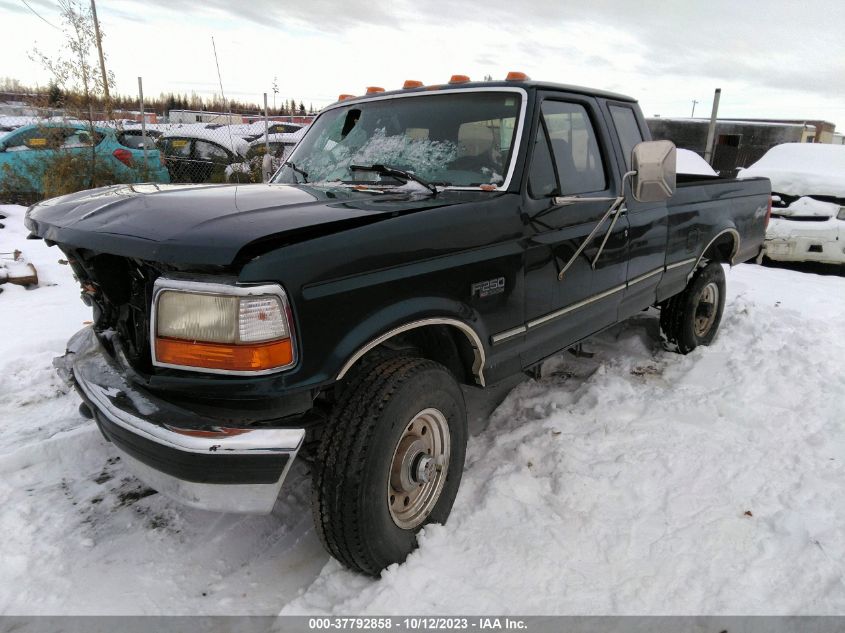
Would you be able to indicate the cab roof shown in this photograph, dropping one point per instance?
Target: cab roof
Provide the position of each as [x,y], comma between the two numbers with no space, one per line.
[527,85]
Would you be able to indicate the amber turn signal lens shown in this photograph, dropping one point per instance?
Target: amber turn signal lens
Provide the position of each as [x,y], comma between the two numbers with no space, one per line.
[371,90]
[411,83]
[517,76]
[254,357]
[459,79]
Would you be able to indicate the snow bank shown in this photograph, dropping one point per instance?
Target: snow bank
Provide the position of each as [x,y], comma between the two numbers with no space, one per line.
[635,482]
[802,169]
[688,162]
[643,482]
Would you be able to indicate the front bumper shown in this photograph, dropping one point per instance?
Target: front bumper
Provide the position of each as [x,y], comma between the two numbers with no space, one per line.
[193,459]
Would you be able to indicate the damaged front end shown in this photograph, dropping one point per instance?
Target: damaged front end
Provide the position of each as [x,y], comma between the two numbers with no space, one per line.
[192,458]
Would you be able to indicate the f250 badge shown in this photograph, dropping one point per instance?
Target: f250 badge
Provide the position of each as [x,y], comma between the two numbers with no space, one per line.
[483,289]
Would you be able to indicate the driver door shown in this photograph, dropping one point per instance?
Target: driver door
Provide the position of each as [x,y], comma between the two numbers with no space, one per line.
[572,184]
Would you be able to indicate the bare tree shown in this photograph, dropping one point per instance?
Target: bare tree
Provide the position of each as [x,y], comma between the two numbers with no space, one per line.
[74,70]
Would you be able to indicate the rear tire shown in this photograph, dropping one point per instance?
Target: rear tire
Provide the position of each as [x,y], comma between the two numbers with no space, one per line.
[692,317]
[390,461]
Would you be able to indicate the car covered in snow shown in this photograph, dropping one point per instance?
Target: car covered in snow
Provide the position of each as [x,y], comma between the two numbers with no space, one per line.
[416,247]
[808,211]
[256,129]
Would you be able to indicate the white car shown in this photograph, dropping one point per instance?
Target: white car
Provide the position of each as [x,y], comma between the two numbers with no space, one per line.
[808,202]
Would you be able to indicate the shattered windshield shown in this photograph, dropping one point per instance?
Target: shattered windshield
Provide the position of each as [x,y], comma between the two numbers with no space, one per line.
[459,139]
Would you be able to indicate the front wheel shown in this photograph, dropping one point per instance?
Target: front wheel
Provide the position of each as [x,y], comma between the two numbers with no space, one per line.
[390,461]
[692,317]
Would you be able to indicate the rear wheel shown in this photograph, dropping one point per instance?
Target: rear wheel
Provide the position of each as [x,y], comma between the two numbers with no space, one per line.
[390,461]
[692,317]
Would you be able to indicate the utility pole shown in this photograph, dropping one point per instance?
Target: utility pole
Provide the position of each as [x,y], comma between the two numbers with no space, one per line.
[143,125]
[692,116]
[102,59]
[711,130]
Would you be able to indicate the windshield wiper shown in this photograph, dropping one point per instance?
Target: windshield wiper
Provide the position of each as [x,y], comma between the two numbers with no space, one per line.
[304,173]
[397,173]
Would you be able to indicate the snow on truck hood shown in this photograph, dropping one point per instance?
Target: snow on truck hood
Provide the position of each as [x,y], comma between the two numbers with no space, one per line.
[802,169]
[208,224]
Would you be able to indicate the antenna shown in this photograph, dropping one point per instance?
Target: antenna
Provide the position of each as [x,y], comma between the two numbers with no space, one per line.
[222,94]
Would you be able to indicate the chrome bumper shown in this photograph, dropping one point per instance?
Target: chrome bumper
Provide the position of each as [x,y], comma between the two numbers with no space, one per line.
[187,457]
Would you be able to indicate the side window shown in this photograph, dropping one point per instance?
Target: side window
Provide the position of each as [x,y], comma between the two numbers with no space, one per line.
[136,141]
[20,141]
[36,138]
[629,132]
[575,148]
[204,150]
[542,181]
[179,147]
[75,138]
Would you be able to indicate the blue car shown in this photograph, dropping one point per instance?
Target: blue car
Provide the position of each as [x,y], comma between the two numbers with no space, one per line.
[28,153]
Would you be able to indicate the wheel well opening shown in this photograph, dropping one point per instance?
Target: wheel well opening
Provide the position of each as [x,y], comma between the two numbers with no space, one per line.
[444,344]
[721,250]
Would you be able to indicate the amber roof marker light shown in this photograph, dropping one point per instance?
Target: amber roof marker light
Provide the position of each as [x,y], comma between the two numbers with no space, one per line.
[459,79]
[515,75]
[411,83]
[344,97]
[371,90]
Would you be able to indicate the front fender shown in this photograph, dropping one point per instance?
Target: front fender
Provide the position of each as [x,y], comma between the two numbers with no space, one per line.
[392,320]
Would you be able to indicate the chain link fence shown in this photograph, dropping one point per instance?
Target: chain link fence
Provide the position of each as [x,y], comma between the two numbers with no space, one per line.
[50,152]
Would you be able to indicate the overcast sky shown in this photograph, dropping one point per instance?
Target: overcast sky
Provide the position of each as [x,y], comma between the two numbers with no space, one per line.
[774,58]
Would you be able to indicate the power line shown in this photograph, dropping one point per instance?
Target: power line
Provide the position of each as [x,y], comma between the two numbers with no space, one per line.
[40,16]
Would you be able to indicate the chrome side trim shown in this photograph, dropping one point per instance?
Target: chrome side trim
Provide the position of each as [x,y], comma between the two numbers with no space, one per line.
[503,336]
[559,313]
[648,275]
[213,288]
[683,262]
[474,339]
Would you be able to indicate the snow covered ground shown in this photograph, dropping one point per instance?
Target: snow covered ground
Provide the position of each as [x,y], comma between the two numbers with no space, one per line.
[635,482]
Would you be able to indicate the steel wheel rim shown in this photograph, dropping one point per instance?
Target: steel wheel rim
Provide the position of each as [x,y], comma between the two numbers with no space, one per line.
[418,468]
[705,310]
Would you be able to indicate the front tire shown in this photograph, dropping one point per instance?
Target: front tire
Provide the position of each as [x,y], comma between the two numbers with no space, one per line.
[390,461]
[692,317]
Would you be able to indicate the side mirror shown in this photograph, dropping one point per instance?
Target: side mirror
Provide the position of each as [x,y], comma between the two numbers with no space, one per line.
[654,167]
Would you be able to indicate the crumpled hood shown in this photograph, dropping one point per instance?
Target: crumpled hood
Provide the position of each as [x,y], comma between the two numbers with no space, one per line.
[208,224]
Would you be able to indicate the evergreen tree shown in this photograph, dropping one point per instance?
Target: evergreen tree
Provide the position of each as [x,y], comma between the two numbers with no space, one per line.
[55,96]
